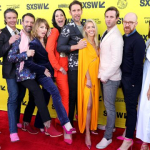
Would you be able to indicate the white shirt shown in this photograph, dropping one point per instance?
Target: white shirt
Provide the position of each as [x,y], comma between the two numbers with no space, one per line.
[11,30]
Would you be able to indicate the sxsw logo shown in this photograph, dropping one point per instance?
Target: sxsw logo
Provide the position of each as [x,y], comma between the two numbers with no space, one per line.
[96,4]
[0,8]
[2,88]
[13,6]
[120,21]
[144,3]
[37,6]
[19,21]
[1,63]
[145,37]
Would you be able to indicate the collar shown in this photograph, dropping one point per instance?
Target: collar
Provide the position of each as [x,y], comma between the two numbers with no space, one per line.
[130,33]
[75,23]
[11,30]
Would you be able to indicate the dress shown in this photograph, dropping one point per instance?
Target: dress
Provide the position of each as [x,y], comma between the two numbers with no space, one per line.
[143,123]
[88,60]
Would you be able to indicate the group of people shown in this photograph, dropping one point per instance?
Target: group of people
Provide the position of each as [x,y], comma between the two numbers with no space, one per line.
[71,55]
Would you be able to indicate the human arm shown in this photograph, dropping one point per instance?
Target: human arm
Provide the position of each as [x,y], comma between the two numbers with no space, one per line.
[63,41]
[6,42]
[116,48]
[138,57]
[30,64]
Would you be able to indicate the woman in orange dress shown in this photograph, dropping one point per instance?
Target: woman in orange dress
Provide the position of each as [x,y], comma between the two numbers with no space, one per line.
[88,84]
[59,61]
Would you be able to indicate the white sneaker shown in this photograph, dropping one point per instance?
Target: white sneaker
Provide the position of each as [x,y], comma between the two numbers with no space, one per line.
[103,143]
[102,127]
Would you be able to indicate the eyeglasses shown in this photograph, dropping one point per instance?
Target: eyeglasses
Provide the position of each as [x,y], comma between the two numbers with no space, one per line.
[128,22]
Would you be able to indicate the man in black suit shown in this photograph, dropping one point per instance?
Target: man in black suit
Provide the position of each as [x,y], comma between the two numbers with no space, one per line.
[8,36]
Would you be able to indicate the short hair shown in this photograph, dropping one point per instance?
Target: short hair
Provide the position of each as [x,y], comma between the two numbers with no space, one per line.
[96,31]
[54,21]
[74,3]
[149,30]
[28,14]
[37,23]
[7,11]
[112,8]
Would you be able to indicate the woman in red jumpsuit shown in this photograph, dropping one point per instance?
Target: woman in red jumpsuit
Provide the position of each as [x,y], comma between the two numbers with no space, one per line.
[59,61]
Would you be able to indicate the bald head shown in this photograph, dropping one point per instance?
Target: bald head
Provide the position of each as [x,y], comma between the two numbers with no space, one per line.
[129,23]
[130,17]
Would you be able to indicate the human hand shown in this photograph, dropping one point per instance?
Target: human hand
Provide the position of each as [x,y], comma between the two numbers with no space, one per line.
[49,32]
[47,73]
[13,39]
[30,53]
[88,83]
[103,81]
[82,44]
[62,70]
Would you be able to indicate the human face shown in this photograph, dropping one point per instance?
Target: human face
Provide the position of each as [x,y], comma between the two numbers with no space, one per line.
[90,29]
[76,12]
[42,30]
[60,18]
[11,19]
[27,24]
[129,24]
[110,19]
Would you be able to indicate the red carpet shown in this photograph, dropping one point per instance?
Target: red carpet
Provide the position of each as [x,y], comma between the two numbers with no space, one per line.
[43,142]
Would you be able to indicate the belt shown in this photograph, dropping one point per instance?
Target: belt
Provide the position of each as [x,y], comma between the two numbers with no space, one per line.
[62,54]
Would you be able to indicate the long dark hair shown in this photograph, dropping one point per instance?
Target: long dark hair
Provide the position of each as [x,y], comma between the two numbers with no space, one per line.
[54,21]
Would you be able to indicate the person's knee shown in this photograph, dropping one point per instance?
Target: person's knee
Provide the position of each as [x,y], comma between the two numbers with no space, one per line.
[89,107]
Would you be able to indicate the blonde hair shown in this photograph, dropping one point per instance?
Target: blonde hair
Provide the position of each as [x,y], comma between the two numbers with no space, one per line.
[36,25]
[96,31]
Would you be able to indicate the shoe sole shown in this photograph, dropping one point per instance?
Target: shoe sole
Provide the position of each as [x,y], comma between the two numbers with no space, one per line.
[53,135]
[29,131]
[103,147]
[14,141]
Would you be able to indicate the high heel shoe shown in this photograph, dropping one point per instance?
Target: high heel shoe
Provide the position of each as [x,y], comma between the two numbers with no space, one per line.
[120,138]
[71,131]
[125,139]
[88,146]
[68,141]
[144,146]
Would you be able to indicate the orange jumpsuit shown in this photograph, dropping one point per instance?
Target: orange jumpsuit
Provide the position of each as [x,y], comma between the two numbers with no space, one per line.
[57,61]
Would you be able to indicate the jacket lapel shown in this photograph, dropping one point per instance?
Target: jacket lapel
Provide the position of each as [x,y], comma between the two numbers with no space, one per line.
[108,34]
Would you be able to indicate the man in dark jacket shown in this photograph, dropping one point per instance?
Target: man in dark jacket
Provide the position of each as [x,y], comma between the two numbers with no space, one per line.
[7,37]
[132,71]
[70,41]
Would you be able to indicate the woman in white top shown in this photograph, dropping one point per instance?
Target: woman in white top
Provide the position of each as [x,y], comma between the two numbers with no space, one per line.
[143,123]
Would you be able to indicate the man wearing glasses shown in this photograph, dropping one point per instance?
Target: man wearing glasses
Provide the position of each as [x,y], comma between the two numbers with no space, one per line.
[132,70]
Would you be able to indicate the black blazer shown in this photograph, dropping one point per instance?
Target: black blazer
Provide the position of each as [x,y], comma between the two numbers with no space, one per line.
[8,69]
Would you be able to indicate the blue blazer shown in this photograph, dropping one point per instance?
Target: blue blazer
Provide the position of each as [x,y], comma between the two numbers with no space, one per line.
[40,61]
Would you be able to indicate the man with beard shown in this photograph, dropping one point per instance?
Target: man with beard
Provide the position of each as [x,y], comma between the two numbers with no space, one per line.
[27,23]
[132,71]
[111,49]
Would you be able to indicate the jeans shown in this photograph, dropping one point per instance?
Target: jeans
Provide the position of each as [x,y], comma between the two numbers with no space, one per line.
[110,91]
[49,85]
[12,103]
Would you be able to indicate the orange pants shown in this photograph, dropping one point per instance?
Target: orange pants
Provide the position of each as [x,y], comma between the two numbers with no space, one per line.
[62,84]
